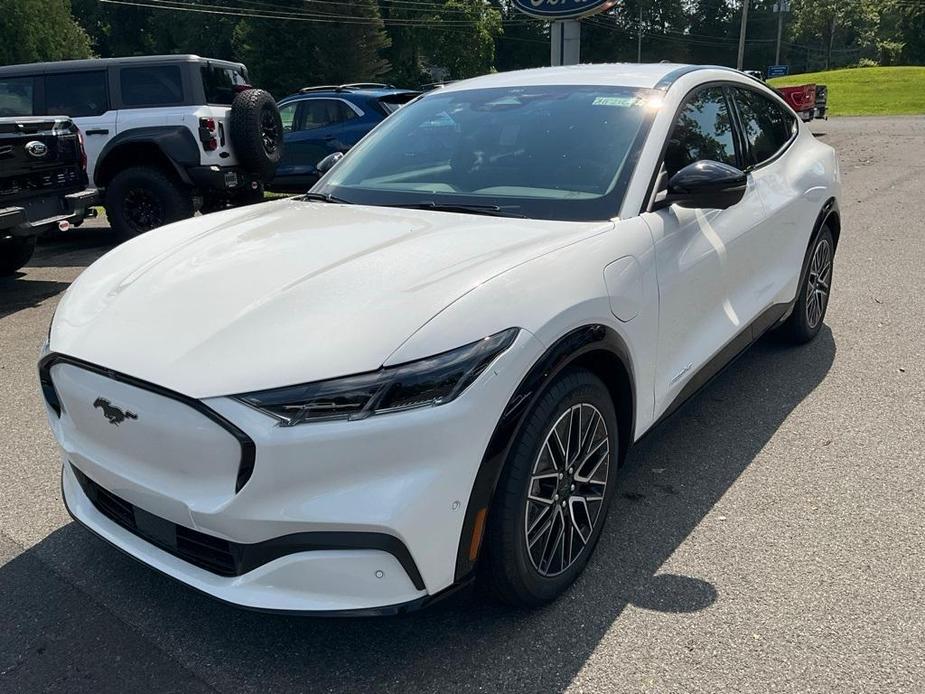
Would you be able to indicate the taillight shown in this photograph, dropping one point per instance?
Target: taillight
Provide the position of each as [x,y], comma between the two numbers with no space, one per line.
[207,134]
[83,150]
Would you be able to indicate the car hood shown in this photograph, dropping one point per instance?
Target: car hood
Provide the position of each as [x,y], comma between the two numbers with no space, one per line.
[285,292]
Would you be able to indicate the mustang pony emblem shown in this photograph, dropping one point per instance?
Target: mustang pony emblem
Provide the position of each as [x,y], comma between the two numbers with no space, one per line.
[113,413]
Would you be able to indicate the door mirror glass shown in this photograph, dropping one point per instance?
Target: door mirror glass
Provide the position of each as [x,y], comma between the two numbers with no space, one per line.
[329,161]
[706,184]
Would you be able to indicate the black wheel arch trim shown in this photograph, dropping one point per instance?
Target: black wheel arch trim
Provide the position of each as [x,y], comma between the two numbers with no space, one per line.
[248,448]
[566,351]
[829,211]
[175,142]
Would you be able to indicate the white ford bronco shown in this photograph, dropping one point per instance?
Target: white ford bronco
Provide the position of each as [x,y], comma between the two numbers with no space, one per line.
[165,135]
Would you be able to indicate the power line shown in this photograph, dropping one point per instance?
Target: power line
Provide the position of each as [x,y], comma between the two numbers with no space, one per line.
[302,16]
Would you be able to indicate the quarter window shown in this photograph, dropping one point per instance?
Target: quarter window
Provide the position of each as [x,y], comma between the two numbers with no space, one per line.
[157,85]
[16,96]
[219,83]
[702,131]
[766,125]
[320,113]
[287,114]
[76,94]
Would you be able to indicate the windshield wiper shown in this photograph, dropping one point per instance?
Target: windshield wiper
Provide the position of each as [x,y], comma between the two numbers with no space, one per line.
[324,197]
[490,210]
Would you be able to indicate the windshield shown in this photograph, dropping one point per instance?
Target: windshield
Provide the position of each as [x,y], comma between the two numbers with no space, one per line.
[544,152]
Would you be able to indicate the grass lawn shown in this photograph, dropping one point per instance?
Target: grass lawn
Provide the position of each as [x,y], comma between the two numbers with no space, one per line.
[868,91]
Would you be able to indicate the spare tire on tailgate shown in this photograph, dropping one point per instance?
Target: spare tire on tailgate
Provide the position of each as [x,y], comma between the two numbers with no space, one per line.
[257,132]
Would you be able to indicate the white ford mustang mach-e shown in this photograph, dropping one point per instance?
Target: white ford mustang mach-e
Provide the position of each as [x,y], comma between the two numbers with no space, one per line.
[430,367]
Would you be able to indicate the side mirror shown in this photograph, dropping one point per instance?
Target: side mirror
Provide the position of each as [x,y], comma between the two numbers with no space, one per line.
[329,161]
[706,184]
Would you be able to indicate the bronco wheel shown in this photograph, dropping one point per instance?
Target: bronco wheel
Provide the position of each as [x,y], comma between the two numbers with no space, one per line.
[257,132]
[142,198]
[554,492]
[813,295]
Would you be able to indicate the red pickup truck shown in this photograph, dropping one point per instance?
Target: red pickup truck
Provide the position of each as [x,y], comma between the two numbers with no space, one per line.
[808,100]
[802,99]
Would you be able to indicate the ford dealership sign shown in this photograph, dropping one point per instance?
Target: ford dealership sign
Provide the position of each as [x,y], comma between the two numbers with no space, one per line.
[562,9]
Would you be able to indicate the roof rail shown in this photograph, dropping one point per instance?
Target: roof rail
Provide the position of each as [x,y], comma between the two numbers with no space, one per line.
[346,87]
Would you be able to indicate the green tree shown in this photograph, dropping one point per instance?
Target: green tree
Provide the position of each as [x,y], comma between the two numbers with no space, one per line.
[286,54]
[36,30]
[835,24]
[523,43]
[463,39]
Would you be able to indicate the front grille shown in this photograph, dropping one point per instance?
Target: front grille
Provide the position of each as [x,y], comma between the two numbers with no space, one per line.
[205,551]
[40,181]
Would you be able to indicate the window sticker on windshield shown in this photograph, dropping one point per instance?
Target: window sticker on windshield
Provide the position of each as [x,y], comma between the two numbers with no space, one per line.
[622,101]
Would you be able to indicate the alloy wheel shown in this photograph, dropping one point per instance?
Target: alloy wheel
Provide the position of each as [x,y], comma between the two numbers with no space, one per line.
[818,283]
[567,488]
[143,210]
[269,132]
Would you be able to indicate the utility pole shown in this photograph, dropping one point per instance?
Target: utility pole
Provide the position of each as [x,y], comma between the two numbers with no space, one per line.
[780,7]
[639,35]
[741,58]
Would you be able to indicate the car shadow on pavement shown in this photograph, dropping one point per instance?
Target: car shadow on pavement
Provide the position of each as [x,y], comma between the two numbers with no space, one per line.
[18,292]
[673,478]
[73,248]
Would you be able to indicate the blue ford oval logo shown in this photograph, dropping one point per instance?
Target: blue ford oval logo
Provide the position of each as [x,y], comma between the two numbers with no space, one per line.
[562,9]
[36,149]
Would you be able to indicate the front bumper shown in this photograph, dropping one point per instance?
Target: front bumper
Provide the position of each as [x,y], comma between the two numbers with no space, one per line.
[47,211]
[370,512]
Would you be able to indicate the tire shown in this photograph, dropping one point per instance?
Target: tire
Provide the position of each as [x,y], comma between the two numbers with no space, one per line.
[257,132]
[812,299]
[142,198]
[14,253]
[514,568]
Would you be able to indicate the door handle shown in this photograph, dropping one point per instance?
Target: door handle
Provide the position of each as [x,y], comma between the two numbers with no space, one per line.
[98,131]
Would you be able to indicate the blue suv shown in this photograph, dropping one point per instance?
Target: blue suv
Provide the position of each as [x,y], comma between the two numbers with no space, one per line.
[318,121]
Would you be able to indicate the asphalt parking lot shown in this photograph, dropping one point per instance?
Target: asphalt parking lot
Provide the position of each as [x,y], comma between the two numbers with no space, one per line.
[771,537]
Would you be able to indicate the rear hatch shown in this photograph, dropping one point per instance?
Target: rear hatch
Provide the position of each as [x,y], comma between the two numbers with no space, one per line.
[39,156]
[392,102]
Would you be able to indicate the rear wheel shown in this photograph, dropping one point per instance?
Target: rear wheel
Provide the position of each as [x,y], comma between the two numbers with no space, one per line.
[142,198]
[812,299]
[14,253]
[554,492]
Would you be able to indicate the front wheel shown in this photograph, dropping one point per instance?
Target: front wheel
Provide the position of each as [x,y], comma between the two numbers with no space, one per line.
[14,253]
[554,492]
[812,299]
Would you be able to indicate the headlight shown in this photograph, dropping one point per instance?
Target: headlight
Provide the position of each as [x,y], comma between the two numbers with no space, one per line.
[424,383]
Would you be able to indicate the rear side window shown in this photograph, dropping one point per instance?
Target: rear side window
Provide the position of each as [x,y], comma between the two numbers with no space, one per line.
[766,125]
[16,96]
[703,131]
[157,85]
[287,115]
[320,113]
[76,94]
[219,83]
